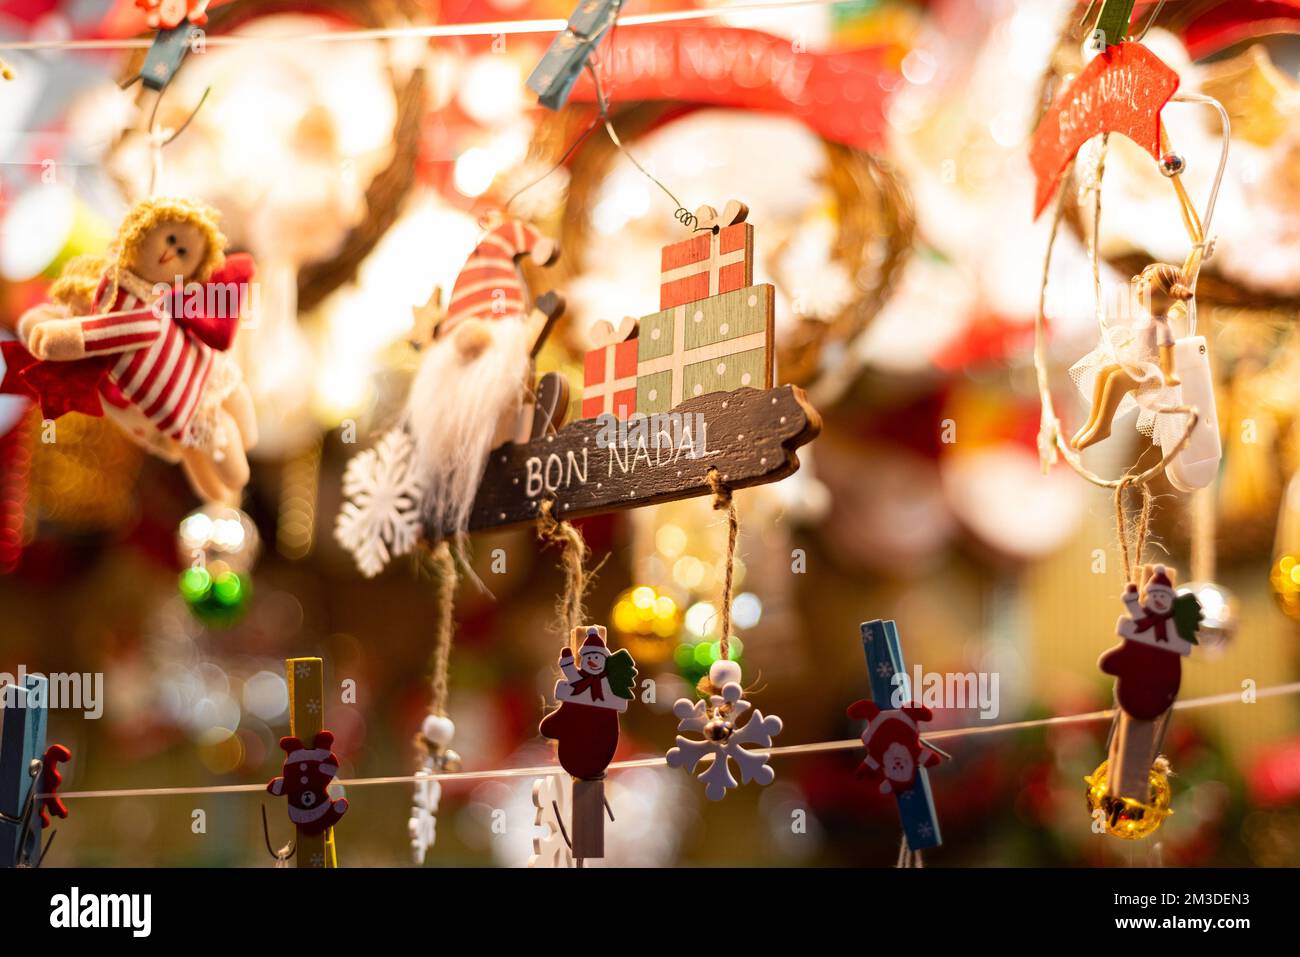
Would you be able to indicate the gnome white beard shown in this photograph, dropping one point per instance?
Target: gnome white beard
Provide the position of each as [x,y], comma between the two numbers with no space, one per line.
[457,411]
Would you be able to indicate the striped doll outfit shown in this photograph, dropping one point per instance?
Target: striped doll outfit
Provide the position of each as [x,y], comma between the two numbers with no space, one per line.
[162,369]
[490,287]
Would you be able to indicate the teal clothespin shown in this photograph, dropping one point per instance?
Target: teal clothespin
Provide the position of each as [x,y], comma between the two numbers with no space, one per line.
[22,742]
[165,56]
[565,58]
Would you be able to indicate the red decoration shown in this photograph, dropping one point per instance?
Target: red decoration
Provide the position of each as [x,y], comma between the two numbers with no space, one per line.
[15,477]
[305,782]
[895,751]
[706,264]
[1121,91]
[840,95]
[609,371]
[595,690]
[1232,22]
[50,781]
[1147,664]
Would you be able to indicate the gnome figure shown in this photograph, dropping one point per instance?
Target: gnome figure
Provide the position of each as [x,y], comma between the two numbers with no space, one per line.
[1159,629]
[475,374]
[595,689]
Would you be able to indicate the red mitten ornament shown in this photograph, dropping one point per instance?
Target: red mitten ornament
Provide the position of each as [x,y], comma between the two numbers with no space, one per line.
[50,781]
[894,747]
[1158,631]
[305,782]
[596,688]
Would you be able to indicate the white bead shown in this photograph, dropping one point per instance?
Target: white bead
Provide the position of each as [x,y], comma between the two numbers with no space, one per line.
[723,672]
[438,730]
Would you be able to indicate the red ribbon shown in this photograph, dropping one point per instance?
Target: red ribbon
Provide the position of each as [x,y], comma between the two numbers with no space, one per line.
[593,682]
[1157,622]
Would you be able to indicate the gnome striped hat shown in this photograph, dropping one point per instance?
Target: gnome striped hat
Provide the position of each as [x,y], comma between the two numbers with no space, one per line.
[490,286]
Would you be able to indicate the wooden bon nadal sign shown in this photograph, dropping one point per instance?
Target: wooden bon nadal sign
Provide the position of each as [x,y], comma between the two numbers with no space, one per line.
[599,465]
[667,399]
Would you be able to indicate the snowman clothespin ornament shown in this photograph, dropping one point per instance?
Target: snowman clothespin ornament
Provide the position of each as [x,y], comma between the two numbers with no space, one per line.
[595,688]
[897,757]
[722,735]
[1159,629]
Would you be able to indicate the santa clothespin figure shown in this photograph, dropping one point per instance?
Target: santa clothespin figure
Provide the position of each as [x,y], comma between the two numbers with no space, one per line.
[595,689]
[1158,631]
[305,781]
[895,752]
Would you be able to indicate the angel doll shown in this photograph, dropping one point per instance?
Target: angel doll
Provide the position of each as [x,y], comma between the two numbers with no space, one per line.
[143,334]
[1135,360]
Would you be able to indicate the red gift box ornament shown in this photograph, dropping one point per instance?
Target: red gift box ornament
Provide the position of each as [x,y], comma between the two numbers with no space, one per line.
[719,259]
[609,372]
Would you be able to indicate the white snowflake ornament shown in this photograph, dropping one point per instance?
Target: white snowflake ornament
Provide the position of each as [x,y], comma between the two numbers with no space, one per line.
[437,731]
[381,517]
[722,737]
[551,803]
[423,825]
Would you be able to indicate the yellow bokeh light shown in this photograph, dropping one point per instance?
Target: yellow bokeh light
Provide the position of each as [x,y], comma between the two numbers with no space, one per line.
[643,597]
[688,572]
[670,540]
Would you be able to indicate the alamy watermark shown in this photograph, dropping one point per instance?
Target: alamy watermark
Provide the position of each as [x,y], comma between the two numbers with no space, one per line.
[675,431]
[960,690]
[76,691]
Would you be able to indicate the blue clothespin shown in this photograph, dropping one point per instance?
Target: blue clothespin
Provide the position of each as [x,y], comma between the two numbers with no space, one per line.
[890,691]
[165,56]
[22,742]
[565,58]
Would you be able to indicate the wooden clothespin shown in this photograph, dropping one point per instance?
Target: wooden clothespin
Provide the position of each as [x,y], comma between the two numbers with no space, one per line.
[897,757]
[567,56]
[25,709]
[315,847]
[594,690]
[1112,21]
[1157,630]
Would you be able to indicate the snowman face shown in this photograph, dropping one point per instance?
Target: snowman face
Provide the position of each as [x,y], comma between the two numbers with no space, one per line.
[897,763]
[593,662]
[1160,600]
[171,249]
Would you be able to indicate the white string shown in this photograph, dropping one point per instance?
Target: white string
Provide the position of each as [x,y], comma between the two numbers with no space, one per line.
[432,31]
[812,748]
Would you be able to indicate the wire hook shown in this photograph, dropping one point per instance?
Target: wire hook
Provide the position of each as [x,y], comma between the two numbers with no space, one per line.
[281,856]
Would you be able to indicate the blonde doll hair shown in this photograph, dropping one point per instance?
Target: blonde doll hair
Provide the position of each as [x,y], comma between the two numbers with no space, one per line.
[77,282]
[148,213]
